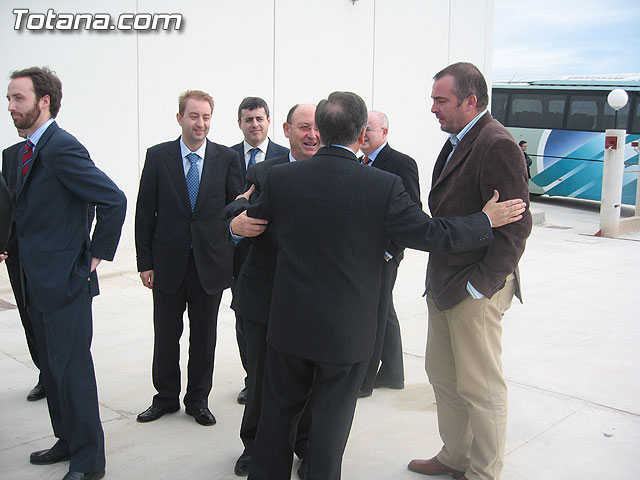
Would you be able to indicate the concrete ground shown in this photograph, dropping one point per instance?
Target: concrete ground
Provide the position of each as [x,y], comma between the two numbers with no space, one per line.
[571,360]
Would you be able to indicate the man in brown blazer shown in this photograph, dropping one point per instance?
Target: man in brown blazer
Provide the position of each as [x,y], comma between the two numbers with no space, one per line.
[469,292]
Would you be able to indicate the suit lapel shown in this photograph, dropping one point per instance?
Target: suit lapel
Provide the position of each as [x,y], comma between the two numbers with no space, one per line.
[175,167]
[462,151]
[208,172]
[382,158]
[21,182]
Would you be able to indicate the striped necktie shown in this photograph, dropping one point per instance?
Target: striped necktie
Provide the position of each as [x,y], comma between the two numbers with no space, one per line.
[366,160]
[26,157]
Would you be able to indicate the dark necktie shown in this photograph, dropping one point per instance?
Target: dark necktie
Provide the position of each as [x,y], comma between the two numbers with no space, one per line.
[366,160]
[26,157]
[193,179]
[253,152]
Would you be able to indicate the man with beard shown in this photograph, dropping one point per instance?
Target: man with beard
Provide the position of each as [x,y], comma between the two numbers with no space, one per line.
[252,293]
[56,184]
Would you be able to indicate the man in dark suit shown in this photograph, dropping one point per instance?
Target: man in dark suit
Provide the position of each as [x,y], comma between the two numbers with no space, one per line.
[254,120]
[183,252]
[468,293]
[387,352]
[6,216]
[322,321]
[252,292]
[11,162]
[56,183]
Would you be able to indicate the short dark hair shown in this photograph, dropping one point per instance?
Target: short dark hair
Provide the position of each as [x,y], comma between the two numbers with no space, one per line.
[196,95]
[251,103]
[522,142]
[467,80]
[340,118]
[45,82]
[291,112]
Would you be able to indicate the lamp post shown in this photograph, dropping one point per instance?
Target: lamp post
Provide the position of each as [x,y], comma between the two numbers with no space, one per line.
[613,170]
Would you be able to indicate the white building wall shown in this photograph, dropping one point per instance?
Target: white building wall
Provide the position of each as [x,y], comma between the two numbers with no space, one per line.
[120,88]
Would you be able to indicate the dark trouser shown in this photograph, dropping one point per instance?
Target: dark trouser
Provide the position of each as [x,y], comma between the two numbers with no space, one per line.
[63,338]
[256,344]
[13,269]
[331,392]
[168,310]
[242,348]
[388,345]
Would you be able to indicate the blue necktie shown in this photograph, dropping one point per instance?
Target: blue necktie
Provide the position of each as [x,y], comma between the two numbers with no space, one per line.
[253,152]
[193,179]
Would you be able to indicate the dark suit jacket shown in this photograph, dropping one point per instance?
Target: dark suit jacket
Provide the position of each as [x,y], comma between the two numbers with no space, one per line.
[254,284]
[486,158]
[11,157]
[405,167]
[273,151]
[333,219]
[52,202]
[165,227]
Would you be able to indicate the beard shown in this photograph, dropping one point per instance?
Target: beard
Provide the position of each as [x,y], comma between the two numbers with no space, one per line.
[26,120]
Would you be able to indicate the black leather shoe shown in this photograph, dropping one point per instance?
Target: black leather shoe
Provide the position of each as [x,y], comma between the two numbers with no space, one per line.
[302,470]
[36,393]
[202,415]
[84,476]
[242,396]
[58,453]
[364,394]
[154,413]
[243,464]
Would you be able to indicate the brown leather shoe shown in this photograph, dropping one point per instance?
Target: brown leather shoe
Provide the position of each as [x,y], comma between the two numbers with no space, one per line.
[433,467]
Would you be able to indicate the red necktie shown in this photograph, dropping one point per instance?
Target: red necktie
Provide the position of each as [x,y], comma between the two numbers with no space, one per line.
[366,160]
[26,157]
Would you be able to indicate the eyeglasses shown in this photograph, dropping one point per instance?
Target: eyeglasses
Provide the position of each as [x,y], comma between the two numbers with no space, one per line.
[373,129]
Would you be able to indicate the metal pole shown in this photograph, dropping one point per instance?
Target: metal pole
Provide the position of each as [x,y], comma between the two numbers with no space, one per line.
[612,176]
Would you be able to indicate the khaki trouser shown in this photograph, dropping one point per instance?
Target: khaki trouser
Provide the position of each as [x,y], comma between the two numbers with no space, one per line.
[464,365]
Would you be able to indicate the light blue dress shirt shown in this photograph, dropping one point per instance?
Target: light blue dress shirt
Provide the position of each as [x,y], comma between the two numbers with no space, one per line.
[186,164]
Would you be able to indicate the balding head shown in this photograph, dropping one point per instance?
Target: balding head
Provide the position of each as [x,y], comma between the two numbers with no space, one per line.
[376,133]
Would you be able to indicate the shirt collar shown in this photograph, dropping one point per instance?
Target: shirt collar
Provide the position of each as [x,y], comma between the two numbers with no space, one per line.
[184,150]
[375,153]
[341,146]
[291,157]
[262,147]
[35,136]
[456,138]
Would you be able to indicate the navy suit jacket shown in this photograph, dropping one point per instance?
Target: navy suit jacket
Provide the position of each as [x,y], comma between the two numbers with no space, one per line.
[167,230]
[8,238]
[333,219]
[52,202]
[254,284]
[273,151]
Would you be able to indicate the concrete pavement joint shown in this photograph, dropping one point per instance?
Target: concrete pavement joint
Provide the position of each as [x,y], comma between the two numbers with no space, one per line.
[573,397]
[546,430]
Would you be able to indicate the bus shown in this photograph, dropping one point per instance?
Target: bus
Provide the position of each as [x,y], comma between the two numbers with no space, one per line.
[563,122]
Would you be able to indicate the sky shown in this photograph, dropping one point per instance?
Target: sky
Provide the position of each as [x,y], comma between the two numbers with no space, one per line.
[547,38]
